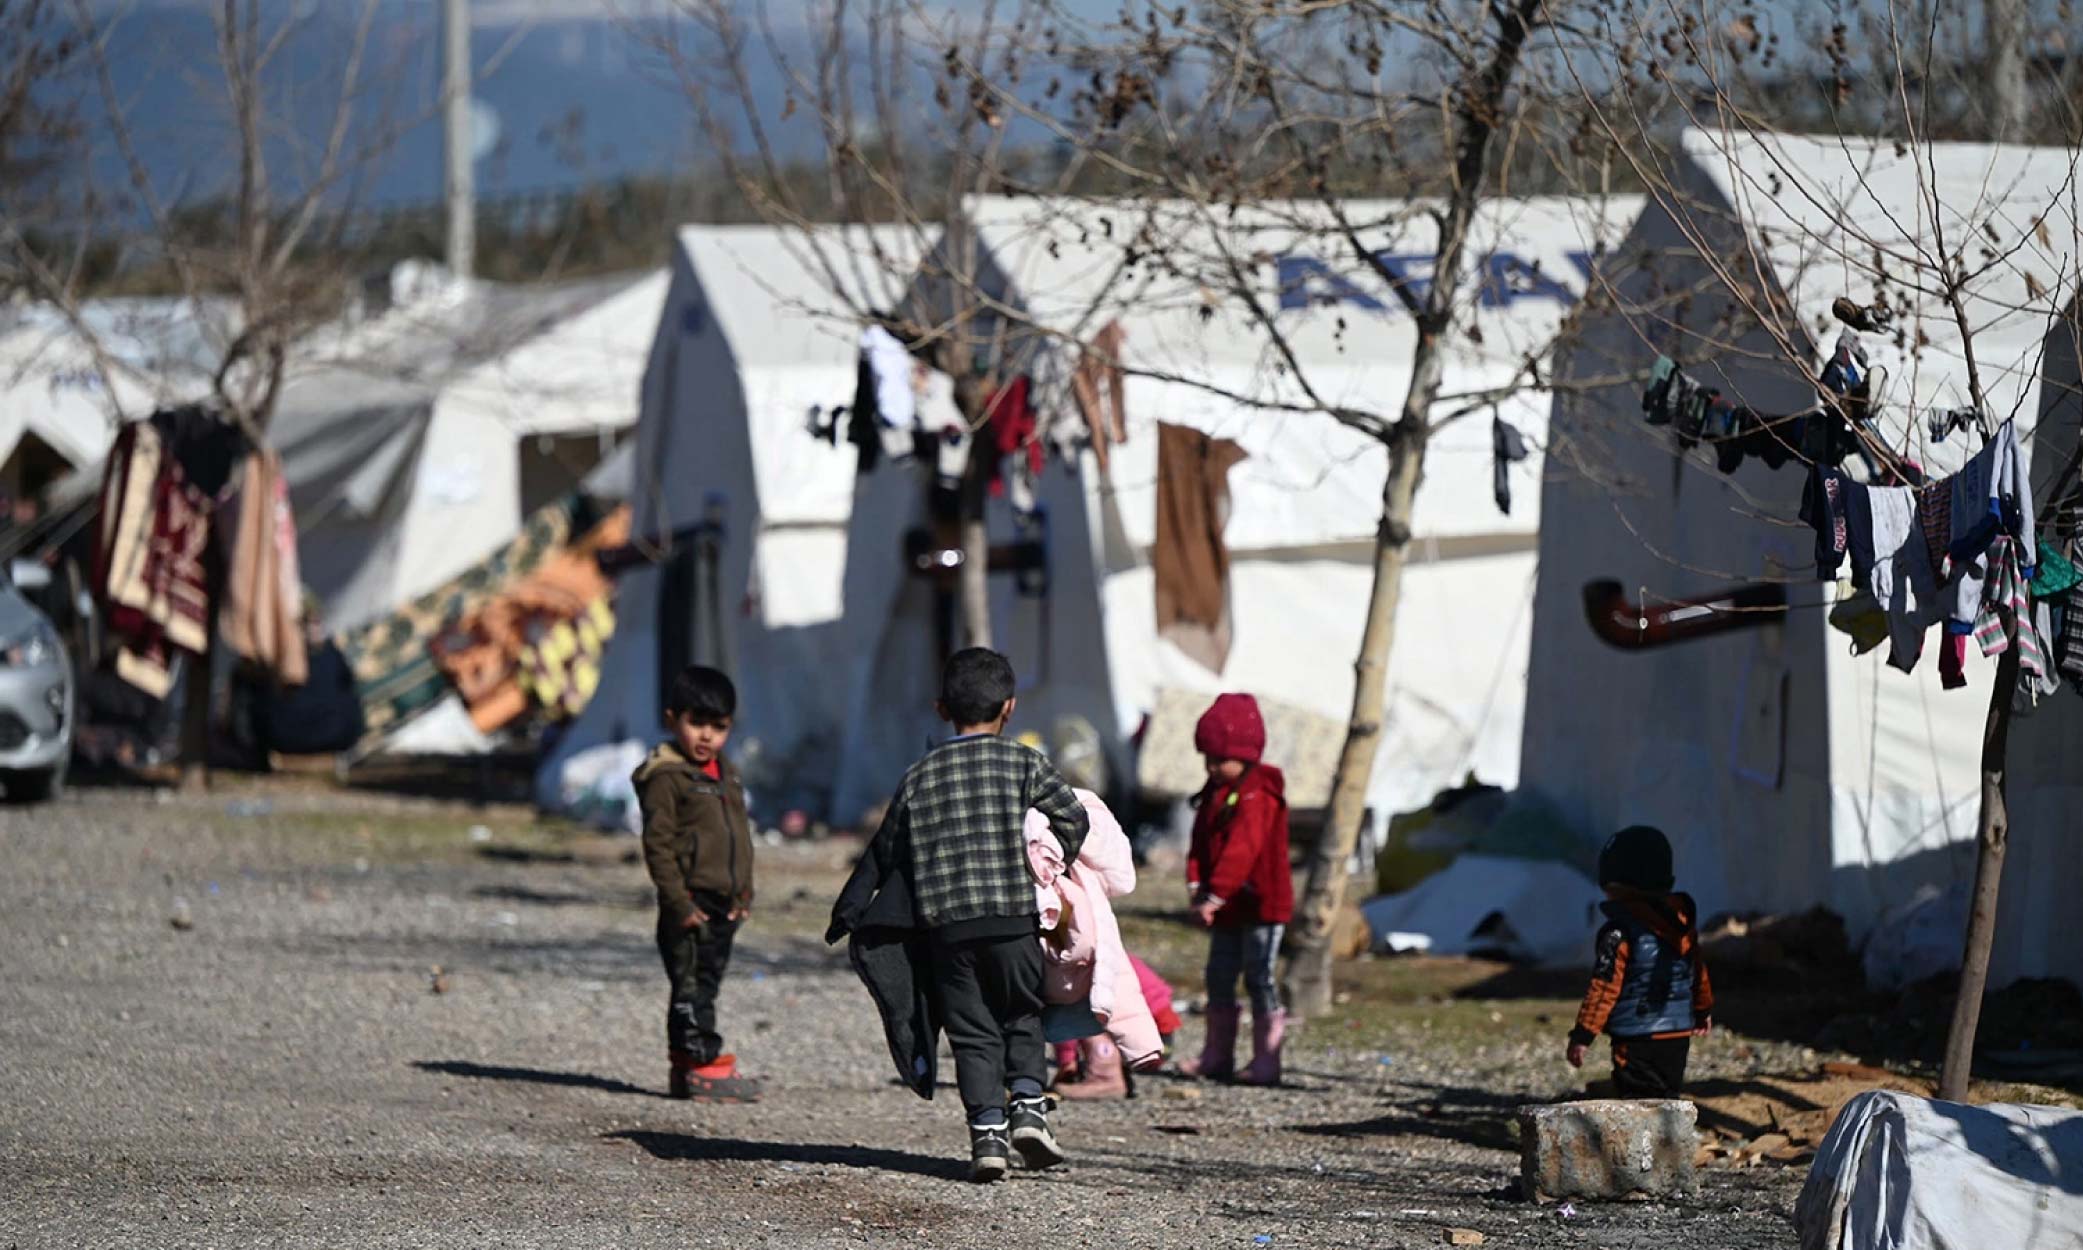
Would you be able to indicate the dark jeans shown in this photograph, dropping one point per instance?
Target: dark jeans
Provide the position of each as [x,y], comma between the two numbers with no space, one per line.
[1249,952]
[695,960]
[991,1006]
[1649,1067]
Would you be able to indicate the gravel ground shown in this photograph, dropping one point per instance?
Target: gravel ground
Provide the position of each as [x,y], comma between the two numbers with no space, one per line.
[282,1073]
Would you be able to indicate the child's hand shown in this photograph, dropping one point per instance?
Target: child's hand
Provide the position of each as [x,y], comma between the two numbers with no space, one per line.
[1576,1054]
[1705,1028]
[695,919]
[740,912]
[1204,911]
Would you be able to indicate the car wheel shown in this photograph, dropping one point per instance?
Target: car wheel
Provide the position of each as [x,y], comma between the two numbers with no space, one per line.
[41,786]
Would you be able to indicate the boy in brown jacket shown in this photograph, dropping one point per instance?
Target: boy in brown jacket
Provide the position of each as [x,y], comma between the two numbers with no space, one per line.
[698,848]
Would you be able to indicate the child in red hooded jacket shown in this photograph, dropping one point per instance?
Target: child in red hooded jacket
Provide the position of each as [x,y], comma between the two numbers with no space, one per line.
[1243,890]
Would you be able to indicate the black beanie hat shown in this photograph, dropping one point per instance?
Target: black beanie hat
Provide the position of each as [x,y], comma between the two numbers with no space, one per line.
[1638,856]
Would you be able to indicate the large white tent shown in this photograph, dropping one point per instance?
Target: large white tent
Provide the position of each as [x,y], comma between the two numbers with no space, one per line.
[1788,772]
[417,439]
[756,336]
[1303,507]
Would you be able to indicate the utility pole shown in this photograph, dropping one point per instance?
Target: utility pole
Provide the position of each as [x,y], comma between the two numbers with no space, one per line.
[461,182]
[2010,95]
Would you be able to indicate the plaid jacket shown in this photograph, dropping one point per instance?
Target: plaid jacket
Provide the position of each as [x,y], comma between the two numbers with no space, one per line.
[960,819]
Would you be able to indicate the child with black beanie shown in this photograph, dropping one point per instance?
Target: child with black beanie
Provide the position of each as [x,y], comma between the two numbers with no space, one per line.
[1649,989]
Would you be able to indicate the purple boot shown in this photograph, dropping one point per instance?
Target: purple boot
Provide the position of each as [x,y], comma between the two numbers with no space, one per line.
[1268,1031]
[1218,1061]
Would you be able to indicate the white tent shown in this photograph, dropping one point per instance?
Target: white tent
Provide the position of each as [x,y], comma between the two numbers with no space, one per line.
[1304,505]
[61,399]
[753,339]
[418,439]
[1787,772]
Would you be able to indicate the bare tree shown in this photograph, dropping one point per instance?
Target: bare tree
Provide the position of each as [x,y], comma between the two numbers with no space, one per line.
[249,235]
[1943,253]
[1309,111]
[895,115]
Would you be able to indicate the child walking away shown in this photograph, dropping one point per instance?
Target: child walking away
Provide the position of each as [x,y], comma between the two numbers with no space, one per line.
[1649,988]
[698,848]
[1243,888]
[954,837]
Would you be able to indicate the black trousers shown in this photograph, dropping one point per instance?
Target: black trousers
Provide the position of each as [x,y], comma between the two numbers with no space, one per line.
[1650,1067]
[990,993]
[695,961]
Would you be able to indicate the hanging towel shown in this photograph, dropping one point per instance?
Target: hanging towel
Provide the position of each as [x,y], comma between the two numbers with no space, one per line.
[1191,564]
[1100,389]
[1902,580]
[1992,494]
[263,609]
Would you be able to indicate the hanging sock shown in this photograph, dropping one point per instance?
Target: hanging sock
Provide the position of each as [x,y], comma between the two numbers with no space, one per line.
[1507,448]
[1846,367]
[1952,661]
[1656,398]
[1944,422]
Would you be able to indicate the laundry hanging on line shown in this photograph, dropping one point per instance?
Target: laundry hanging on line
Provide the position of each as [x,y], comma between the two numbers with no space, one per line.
[183,493]
[1698,413]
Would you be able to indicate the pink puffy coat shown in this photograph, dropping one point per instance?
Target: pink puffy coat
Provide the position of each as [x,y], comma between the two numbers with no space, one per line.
[1080,937]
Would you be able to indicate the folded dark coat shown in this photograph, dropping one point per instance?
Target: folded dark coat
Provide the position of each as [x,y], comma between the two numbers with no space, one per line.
[893,957]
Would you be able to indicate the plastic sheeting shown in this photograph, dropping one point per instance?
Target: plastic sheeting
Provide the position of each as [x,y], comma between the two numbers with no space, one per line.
[1903,1173]
[1537,911]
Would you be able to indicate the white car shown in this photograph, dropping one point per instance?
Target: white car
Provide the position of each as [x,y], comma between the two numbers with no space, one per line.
[36,701]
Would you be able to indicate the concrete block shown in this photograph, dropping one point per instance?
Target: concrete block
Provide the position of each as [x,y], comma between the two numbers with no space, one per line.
[1608,1150]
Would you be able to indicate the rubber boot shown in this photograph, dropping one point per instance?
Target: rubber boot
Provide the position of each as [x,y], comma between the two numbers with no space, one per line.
[1268,1031]
[1068,1071]
[1218,1061]
[1101,1064]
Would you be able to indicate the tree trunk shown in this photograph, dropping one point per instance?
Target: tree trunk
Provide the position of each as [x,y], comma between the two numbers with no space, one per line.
[976,582]
[1309,960]
[1991,838]
[2010,94]
[195,721]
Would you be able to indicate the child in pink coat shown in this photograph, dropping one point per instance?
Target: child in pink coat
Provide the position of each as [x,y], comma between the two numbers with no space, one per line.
[1081,942]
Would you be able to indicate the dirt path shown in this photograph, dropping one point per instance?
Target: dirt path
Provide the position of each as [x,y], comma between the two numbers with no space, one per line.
[281,1073]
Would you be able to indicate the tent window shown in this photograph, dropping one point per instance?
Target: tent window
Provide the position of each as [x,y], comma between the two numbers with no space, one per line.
[554,465]
[31,467]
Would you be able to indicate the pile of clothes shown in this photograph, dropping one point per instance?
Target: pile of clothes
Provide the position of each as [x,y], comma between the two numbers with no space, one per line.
[195,520]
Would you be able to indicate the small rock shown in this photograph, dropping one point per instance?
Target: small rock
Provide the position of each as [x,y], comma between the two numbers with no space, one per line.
[479,833]
[1462,1237]
[181,919]
[437,980]
[1183,1093]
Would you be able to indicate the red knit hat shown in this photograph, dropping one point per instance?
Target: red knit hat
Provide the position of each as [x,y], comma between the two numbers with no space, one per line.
[1232,729]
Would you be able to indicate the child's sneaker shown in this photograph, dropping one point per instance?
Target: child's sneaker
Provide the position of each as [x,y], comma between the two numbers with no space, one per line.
[717,1081]
[990,1152]
[1031,1135]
